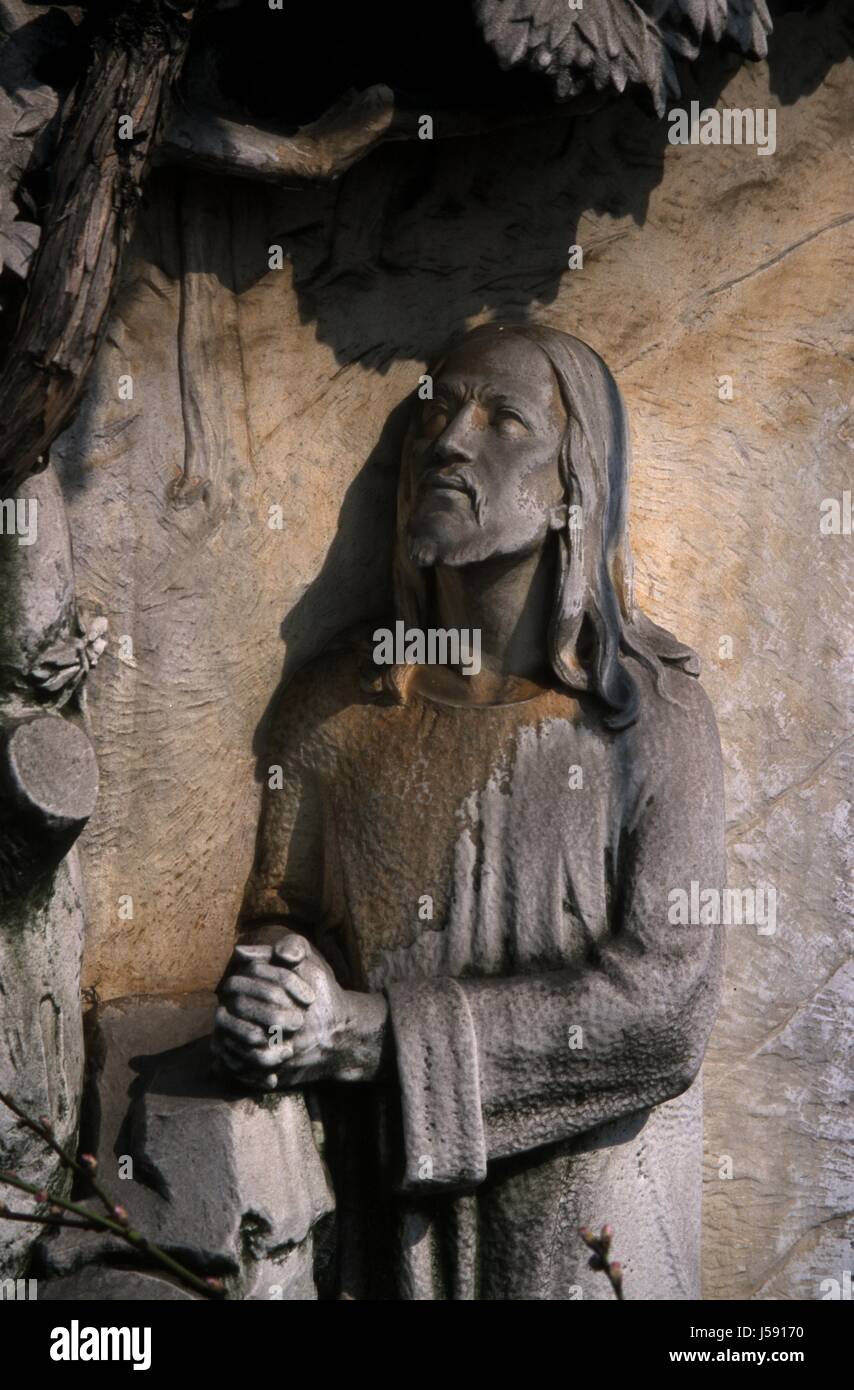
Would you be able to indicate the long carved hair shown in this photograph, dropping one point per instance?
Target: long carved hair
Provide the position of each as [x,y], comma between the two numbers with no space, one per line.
[594,621]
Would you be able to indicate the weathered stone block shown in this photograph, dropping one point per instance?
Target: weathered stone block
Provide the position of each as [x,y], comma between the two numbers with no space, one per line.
[232,1185]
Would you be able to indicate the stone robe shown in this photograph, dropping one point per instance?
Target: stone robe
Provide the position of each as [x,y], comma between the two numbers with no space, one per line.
[549,1020]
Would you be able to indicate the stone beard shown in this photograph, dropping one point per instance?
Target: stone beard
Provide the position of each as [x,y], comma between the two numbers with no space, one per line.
[546,1022]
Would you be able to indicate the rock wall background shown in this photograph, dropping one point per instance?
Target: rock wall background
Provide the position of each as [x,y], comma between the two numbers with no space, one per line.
[255,389]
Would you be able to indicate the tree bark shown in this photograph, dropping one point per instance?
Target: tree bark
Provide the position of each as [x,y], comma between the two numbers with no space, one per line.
[96,187]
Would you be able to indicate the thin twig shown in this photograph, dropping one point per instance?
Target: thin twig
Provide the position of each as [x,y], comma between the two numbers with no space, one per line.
[83,1166]
[601,1245]
[29,1218]
[116,1222]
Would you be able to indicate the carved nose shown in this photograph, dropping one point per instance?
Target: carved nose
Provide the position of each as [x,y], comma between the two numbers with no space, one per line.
[452,445]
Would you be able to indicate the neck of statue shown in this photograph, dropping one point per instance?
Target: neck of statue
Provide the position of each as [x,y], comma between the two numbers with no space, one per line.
[508,600]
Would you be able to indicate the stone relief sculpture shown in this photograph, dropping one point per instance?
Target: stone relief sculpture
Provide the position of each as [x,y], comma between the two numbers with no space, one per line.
[522,1055]
[461,1021]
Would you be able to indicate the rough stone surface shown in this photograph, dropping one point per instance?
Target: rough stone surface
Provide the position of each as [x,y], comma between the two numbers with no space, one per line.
[106,1285]
[41,893]
[230,1184]
[41,1037]
[256,388]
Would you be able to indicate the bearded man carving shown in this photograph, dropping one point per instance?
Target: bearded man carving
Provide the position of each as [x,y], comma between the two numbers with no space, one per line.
[523,1057]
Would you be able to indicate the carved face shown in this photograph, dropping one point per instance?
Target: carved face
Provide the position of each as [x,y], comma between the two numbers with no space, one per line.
[484,458]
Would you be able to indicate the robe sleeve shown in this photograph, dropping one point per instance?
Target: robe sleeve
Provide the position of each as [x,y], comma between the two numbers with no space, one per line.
[498,1066]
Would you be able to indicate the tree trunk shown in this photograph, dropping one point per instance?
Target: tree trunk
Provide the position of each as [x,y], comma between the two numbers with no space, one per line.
[96,187]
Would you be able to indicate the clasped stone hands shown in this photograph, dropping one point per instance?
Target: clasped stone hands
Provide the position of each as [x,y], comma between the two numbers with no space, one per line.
[285,1021]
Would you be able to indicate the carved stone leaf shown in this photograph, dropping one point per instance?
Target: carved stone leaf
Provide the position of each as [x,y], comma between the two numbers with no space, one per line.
[605,43]
[18,241]
[616,42]
[63,665]
[27,108]
[746,22]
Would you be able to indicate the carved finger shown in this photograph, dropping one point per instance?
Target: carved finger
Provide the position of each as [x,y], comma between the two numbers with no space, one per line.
[288,1019]
[247,1033]
[243,955]
[271,990]
[277,1053]
[291,949]
[268,991]
[297,988]
[260,1059]
[272,1054]
[246,952]
[234,1067]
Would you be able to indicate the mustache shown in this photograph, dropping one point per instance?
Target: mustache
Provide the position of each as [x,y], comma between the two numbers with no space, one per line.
[459,481]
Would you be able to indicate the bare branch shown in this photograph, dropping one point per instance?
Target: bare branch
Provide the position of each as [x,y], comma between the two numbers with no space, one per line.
[322,150]
[326,148]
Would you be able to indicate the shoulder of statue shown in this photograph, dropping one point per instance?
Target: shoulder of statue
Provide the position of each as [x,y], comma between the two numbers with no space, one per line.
[318,690]
[676,715]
